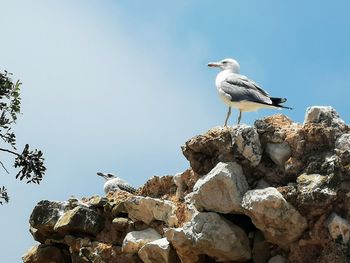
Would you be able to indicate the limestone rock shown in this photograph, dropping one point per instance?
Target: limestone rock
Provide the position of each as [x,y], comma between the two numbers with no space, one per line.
[147,209]
[158,186]
[273,215]
[81,220]
[338,227]
[277,259]
[278,152]
[261,248]
[158,251]
[343,142]
[185,182]
[45,254]
[45,215]
[323,114]
[136,239]
[246,139]
[205,151]
[314,195]
[221,190]
[209,234]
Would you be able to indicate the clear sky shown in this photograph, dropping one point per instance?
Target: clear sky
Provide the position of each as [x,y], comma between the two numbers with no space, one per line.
[119,86]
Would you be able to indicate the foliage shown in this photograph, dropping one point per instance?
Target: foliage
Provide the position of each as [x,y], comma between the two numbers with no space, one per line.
[30,162]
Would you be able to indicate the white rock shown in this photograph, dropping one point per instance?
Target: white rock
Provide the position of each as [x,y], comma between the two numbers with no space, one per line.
[277,259]
[246,139]
[147,209]
[338,227]
[221,190]
[134,240]
[318,114]
[278,152]
[343,142]
[212,235]
[280,222]
[157,251]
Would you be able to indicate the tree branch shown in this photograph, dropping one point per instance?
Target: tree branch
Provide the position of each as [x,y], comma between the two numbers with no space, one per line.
[9,151]
[3,166]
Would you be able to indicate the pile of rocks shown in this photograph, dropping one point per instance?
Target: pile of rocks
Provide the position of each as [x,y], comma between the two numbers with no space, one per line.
[274,192]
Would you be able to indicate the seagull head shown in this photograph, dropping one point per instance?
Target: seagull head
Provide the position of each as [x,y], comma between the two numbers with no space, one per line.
[226,64]
[107,176]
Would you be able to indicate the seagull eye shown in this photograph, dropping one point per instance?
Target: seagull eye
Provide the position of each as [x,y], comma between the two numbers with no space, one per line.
[224,62]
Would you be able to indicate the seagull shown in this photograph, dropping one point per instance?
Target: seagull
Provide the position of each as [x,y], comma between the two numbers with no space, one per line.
[114,183]
[240,92]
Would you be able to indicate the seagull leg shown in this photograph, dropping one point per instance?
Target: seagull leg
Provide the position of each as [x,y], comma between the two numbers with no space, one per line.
[239,116]
[228,116]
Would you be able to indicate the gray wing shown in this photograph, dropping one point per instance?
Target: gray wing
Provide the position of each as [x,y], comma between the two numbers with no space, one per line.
[239,88]
[127,188]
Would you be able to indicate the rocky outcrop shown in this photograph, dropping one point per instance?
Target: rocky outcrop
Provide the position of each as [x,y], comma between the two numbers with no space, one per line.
[277,191]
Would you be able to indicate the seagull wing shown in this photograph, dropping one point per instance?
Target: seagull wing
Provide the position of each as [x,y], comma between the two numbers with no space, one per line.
[239,88]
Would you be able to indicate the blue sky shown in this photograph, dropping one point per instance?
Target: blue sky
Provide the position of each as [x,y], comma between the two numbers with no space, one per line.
[119,86]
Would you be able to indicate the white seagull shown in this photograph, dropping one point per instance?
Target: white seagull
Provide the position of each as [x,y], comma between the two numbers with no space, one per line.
[240,92]
[114,183]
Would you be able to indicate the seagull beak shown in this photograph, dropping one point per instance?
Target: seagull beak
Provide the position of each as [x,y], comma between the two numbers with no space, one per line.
[214,64]
[100,174]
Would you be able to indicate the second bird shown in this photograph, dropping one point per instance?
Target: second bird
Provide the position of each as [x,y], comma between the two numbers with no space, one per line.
[240,92]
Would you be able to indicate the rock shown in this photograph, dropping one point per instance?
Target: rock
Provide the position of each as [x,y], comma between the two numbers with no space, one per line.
[261,248]
[158,186]
[80,220]
[136,239]
[147,209]
[45,254]
[280,222]
[114,232]
[246,140]
[205,151]
[343,142]
[158,251]
[261,184]
[338,227]
[44,217]
[277,259]
[185,182]
[323,114]
[221,190]
[278,152]
[212,235]
[314,195]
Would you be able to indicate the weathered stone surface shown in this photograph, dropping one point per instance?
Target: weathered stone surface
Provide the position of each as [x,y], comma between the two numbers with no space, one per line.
[261,248]
[338,227]
[45,254]
[45,215]
[158,186]
[205,151]
[277,259]
[246,140]
[212,235]
[147,209]
[278,152]
[185,182]
[80,220]
[315,197]
[221,190]
[343,142]
[273,215]
[323,114]
[158,251]
[114,232]
[136,239]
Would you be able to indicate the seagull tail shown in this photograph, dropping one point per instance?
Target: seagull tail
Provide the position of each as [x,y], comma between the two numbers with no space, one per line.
[278,101]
